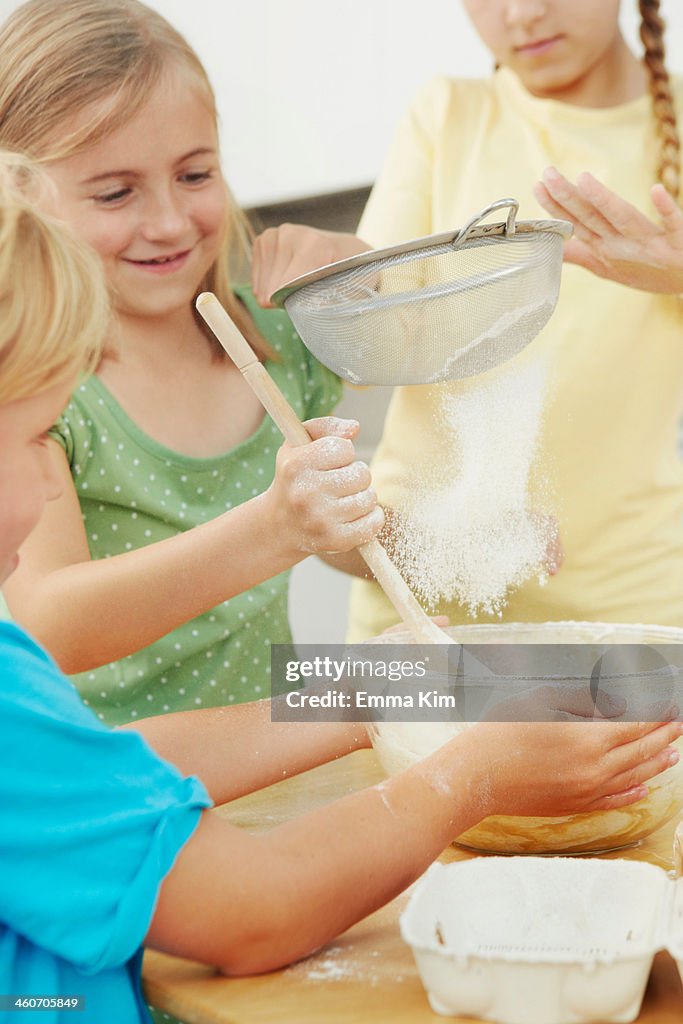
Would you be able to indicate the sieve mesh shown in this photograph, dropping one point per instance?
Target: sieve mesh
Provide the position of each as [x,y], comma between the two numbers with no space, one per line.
[436,312]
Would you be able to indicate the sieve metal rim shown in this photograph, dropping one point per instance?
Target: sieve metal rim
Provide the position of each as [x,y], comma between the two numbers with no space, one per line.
[453,237]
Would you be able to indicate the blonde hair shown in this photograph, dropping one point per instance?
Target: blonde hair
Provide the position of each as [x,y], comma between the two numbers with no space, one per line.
[54,307]
[61,57]
[652,29]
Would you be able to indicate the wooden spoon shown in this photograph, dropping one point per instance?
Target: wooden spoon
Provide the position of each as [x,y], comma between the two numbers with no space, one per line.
[275,403]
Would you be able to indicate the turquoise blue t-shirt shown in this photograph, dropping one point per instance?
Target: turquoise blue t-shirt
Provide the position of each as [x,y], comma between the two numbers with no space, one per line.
[91,821]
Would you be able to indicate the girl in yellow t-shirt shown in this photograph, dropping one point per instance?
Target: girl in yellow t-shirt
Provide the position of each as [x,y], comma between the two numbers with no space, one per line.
[567,92]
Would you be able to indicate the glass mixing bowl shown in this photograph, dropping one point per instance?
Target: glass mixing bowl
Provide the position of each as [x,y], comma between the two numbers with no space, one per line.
[399,744]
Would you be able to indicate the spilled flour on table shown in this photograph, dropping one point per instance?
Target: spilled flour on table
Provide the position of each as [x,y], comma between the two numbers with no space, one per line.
[329,969]
[346,963]
[468,533]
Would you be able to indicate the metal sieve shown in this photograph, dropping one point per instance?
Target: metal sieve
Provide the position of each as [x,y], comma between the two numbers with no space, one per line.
[444,307]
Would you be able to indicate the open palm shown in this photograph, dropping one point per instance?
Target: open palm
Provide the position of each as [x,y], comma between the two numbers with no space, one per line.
[612,238]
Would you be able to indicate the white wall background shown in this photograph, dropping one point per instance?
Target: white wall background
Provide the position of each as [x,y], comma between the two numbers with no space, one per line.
[310,90]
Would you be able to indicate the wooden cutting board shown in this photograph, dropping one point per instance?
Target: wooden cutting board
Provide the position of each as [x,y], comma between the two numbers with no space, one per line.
[368,975]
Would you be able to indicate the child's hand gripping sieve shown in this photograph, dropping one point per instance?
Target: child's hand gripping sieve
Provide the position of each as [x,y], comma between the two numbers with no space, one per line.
[280,254]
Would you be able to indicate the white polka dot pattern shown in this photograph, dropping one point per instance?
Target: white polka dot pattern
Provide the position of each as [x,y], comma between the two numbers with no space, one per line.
[133,492]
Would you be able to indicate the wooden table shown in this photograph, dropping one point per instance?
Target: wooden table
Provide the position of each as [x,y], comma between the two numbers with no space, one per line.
[368,976]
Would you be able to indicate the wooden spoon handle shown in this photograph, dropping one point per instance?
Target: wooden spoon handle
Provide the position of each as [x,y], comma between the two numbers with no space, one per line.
[293,430]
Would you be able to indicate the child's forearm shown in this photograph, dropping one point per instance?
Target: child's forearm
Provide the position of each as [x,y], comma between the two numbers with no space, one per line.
[363,851]
[92,612]
[288,891]
[88,613]
[237,750]
[294,888]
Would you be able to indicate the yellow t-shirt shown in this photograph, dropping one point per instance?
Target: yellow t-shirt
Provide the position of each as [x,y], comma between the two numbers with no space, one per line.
[607,444]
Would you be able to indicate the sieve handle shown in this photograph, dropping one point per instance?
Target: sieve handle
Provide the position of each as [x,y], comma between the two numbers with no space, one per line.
[293,430]
[501,204]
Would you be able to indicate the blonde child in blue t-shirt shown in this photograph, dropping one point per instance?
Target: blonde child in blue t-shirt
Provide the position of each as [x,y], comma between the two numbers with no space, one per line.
[160,576]
[158,869]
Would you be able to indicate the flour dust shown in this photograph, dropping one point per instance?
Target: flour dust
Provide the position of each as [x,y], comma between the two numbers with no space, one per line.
[467,532]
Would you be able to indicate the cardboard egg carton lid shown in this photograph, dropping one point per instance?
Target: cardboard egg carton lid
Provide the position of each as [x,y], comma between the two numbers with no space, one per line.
[537,940]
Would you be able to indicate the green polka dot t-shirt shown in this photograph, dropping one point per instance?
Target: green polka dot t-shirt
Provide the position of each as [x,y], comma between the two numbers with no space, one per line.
[134,491]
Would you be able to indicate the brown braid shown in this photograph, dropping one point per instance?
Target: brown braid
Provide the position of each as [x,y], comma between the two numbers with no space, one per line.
[652,34]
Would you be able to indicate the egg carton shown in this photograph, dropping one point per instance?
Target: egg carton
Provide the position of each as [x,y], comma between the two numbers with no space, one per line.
[536,940]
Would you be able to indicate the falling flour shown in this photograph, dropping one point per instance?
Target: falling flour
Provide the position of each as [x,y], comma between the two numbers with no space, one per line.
[467,532]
